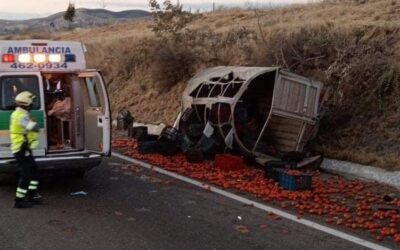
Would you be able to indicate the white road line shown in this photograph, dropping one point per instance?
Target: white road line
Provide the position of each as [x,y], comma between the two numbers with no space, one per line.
[261,206]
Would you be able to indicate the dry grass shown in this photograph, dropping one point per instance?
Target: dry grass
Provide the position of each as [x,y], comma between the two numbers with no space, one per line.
[352,47]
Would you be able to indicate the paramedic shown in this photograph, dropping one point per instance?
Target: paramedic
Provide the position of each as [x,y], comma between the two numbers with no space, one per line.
[24,138]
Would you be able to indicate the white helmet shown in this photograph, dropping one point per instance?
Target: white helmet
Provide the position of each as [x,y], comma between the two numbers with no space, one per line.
[24,98]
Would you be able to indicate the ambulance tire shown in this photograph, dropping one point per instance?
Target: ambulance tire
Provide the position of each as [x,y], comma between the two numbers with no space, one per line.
[79,174]
[8,179]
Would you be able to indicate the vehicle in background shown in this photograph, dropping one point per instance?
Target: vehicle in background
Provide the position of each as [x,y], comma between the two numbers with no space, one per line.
[264,113]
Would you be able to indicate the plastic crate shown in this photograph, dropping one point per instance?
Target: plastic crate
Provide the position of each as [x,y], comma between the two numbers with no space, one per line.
[229,162]
[139,133]
[194,155]
[273,169]
[149,147]
[273,173]
[169,134]
[168,148]
[209,147]
[195,130]
[295,182]
[146,137]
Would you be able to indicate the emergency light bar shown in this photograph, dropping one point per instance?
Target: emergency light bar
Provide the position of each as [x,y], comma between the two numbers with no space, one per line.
[41,55]
[55,58]
[8,58]
[38,58]
[24,58]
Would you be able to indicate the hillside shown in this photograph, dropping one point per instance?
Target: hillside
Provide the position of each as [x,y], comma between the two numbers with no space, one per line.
[84,18]
[352,47]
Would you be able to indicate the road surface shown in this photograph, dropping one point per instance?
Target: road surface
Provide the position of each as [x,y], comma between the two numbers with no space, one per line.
[140,209]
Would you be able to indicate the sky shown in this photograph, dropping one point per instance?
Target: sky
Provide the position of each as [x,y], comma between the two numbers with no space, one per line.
[24,9]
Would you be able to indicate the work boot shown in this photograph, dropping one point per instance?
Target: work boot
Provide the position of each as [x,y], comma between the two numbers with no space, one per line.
[35,198]
[22,203]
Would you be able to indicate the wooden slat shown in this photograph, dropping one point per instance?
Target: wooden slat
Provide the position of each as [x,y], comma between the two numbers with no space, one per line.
[285,128]
[279,119]
[285,148]
[287,142]
[284,135]
[285,132]
[292,123]
[312,101]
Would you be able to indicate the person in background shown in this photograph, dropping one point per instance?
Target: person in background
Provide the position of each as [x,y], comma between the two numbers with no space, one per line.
[61,108]
[24,138]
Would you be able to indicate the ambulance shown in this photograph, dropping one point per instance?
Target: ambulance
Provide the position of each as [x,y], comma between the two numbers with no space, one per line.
[72,106]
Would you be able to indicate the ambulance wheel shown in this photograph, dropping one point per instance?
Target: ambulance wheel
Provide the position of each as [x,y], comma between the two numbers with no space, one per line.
[8,179]
[79,174]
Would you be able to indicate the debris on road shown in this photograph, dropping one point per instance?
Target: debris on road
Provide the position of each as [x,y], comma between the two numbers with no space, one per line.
[227,162]
[142,210]
[344,203]
[79,193]
[242,228]
[118,213]
[274,216]
[389,197]
[264,114]
[263,226]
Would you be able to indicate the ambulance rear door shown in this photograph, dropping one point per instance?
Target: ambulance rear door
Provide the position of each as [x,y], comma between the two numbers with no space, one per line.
[11,84]
[97,114]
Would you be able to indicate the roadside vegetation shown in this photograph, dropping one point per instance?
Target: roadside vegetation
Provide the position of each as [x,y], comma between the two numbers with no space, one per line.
[351,46]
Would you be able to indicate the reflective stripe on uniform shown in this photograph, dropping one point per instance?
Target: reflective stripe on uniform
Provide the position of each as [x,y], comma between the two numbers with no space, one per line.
[32,187]
[31,125]
[21,190]
[20,195]
[34,183]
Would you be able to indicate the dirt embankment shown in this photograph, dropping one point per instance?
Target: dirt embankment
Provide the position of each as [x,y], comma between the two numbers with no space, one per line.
[351,47]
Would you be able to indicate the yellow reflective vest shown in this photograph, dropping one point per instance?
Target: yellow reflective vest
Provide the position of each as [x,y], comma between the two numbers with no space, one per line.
[21,130]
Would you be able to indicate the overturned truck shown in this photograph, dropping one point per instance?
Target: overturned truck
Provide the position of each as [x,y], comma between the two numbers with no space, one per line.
[263,113]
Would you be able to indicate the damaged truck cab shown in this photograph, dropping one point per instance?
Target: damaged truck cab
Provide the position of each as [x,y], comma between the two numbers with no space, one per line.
[262,112]
[71,106]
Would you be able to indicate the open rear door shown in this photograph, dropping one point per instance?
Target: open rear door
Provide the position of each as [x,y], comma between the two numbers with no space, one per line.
[296,97]
[97,115]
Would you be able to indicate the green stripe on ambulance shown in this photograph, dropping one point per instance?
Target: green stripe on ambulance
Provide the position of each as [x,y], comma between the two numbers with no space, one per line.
[38,115]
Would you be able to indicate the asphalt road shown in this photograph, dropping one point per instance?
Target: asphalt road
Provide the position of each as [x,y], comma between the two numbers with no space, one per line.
[139,209]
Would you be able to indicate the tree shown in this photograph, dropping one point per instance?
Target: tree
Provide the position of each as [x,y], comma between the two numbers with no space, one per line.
[69,14]
[169,19]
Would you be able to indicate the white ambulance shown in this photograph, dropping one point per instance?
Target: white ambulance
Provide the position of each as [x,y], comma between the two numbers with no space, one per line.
[71,106]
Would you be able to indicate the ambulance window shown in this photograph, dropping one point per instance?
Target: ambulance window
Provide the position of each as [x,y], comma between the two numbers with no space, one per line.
[11,86]
[94,100]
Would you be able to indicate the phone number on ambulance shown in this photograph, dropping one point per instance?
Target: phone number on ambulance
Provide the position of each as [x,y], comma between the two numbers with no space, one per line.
[39,66]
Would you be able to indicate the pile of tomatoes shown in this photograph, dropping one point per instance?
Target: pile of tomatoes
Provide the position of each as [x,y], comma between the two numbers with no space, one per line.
[341,202]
